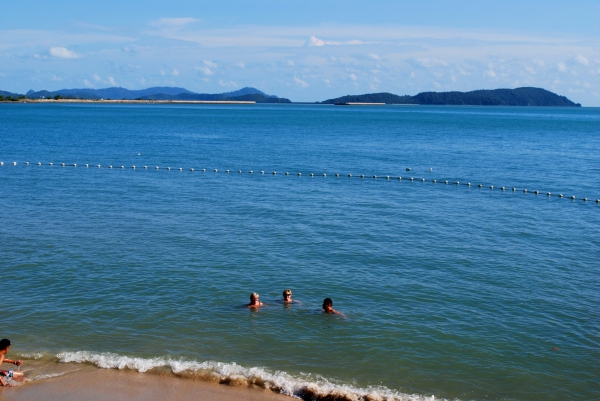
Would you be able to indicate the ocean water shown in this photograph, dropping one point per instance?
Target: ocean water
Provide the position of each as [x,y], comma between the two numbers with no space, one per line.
[449,291]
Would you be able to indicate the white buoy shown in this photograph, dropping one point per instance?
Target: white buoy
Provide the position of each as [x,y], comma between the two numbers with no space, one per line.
[74,164]
[239,171]
[180,169]
[597,200]
[374,176]
[133,167]
[412,178]
[122,166]
[324,175]
[274,172]
[491,187]
[468,184]
[191,169]
[408,169]
[457,182]
[262,172]
[27,163]
[251,172]
[216,171]
[168,168]
[287,173]
[422,179]
[312,175]
[39,164]
[572,197]
[514,189]
[98,166]
[1,163]
[203,170]
[480,186]
[434,181]
[157,167]
[585,199]
[446,182]
[387,177]
[139,154]
[62,164]
[536,192]
[349,175]
[549,194]
[227,171]
[15,163]
[362,176]
[145,167]
[111,167]
[87,165]
[337,175]
[560,195]
[400,178]
[525,190]
[430,170]
[51,163]
[299,173]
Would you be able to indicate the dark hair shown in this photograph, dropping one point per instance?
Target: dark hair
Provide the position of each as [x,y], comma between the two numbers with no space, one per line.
[4,343]
[327,301]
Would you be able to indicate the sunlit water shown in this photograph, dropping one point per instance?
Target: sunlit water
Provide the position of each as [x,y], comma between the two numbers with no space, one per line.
[453,291]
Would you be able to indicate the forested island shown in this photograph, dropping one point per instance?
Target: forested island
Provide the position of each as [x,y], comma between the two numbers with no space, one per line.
[496,97]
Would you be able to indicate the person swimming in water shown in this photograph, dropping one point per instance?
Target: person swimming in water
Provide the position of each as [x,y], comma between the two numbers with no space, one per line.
[254,301]
[328,307]
[287,298]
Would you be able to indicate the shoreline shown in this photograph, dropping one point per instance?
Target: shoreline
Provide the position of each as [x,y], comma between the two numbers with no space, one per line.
[132,101]
[73,381]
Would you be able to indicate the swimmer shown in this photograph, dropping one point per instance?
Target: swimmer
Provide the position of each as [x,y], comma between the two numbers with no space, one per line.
[287,298]
[328,307]
[4,347]
[254,302]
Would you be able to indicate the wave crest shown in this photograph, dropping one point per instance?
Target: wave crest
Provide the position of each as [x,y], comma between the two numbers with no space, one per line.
[305,387]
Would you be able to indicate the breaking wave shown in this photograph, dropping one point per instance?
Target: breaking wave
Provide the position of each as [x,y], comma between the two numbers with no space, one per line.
[304,386]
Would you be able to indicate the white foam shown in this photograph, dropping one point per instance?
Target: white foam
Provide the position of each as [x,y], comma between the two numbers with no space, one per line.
[303,386]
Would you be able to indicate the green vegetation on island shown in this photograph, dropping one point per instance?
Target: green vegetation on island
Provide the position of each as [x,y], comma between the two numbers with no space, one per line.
[496,97]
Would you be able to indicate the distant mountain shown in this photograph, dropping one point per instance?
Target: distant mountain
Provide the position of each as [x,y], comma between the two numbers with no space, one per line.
[155,93]
[497,97]
[7,94]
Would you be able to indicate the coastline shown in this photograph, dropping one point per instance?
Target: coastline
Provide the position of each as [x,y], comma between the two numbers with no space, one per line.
[103,101]
[70,381]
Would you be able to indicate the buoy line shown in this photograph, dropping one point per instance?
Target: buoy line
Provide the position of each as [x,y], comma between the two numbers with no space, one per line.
[299,174]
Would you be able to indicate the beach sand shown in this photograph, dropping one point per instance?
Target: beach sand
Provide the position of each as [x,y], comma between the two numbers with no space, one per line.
[77,382]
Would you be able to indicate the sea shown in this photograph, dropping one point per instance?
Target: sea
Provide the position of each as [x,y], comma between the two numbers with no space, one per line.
[455,283]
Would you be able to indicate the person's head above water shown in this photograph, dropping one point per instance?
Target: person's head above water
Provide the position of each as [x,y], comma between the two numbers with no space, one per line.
[327,304]
[4,344]
[254,300]
[287,295]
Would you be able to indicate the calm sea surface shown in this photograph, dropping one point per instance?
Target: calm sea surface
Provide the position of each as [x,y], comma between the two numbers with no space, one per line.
[452,291]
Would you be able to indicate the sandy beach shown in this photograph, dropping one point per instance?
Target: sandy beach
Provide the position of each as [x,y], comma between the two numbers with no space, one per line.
[77,382]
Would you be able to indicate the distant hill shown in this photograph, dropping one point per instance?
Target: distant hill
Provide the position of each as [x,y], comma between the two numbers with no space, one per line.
[497,97]
[156,93]
[7,94]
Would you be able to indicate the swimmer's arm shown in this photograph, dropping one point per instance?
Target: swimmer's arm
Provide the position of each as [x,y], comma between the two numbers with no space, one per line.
[2,383]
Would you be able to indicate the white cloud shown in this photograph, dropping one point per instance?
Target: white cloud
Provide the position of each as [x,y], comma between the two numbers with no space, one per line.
[55,78]
[562,67]
[175,72]
[490,73]
[228,83]
[142,81]
[210,64]
[374,56]
[88,83]
[205,70]
[63,52]
[97,77]
[111,81]
[241,65]
[172,22]
[290,63]
[313,41]
[300,82]
[582,60]
[353,77]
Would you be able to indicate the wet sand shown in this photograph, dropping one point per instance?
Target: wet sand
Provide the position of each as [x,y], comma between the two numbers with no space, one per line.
[75,382]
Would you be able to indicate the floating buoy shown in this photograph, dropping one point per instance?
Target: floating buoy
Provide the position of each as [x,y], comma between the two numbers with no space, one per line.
[227,171]
[584,199]
[251,172]
[549,194]
[387,177]
[86,165]
[62,164]
[324,175]
[191,169]
[287,173]
[39,164]
[400,178]
[299,174]
[203,170]
[434,181]
[446,181]
[98,166]
[1,163]
[27,163]
[422,179]
[312,175]
[168,168]
[430,170]
[468,184]
[457,183]
[262,172]
[157,167]
[536,192]
[597,200]
[122,166]
[491,187]
[337,175]
[514,189]
[74,164]
[51,163]
[349,175]
[15,163]
[180,169]
[408,169]
[572,197]
[274,172]
[374,176]
[111,167]
[480,186]
[525,190]
[146,167]
[504,189]
[139,154]
[216,170]
[362,176]
[560,195]
[412,178]
[133,167]
[239,171]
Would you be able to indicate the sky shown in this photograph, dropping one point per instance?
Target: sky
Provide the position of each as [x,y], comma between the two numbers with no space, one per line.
[303,50]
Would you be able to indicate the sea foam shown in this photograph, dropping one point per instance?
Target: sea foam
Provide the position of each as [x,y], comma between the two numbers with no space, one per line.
[304,386]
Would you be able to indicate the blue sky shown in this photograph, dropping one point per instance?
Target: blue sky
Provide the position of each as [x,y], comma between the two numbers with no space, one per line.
[303,50]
